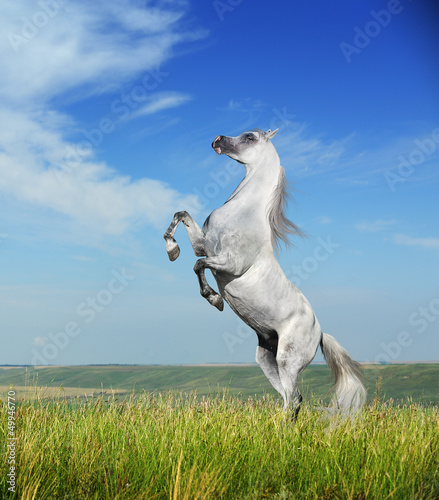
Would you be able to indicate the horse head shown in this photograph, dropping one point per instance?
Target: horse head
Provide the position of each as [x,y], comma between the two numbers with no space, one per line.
[246,147]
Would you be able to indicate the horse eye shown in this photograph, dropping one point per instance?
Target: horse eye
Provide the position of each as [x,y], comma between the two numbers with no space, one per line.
[250,137]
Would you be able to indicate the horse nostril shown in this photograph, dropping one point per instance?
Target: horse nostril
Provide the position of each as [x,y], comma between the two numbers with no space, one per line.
[217,138]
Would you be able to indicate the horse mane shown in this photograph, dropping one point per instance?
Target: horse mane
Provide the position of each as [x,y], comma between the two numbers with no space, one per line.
[281,226]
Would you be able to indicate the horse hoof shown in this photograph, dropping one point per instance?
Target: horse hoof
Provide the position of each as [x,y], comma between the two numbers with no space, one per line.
[172,249]
[217,301]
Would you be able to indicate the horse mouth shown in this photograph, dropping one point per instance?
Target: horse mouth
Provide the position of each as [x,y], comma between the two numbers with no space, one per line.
[217,148]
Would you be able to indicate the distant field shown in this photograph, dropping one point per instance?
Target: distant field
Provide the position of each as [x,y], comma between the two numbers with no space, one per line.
[398,382]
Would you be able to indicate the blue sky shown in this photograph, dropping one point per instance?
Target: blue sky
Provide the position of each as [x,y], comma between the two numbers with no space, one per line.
[108,112]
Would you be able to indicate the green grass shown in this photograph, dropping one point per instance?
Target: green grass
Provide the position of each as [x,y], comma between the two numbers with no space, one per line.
[417,381]
[180,446]
[143,440]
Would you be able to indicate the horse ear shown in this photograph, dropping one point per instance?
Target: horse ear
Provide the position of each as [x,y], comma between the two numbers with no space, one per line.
[269,134]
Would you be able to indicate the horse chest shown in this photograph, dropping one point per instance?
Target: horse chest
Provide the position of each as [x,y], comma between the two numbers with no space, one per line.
[234,228]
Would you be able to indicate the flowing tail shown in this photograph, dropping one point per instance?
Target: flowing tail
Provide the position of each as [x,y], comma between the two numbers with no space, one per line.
[350,393]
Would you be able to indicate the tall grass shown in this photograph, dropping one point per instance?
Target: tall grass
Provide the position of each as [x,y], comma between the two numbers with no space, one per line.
[171,446]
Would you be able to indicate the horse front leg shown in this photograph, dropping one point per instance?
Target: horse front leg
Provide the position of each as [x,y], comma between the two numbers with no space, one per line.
[195,233]
[218,263]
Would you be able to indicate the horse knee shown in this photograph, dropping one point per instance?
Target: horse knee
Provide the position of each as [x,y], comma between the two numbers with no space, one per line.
[199,265]
[179,215]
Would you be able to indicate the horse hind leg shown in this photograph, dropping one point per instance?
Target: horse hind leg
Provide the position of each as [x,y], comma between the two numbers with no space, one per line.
[292,398]
[214,263]
[266,359]
[292,360]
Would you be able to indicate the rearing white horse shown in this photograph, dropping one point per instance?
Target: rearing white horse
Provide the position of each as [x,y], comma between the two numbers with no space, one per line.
[237,241]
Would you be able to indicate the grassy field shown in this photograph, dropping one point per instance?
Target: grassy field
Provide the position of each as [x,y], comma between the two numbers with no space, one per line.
[174,446]
[97,438]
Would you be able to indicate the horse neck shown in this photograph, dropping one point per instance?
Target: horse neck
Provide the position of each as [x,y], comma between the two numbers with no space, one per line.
[260,181]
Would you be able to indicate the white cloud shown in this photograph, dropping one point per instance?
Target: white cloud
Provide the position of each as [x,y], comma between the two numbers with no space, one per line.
[403,239]
[93,44]
[246,105]
[160,101]
[40,341]
[32,168]
[324,219]
[354,160]
[375,226]
[307,155]
[79,49]
[84,258]
[137,18]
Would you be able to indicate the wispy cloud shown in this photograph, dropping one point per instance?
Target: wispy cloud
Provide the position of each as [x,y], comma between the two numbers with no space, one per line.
[84,258]
[74,53]
[247,105]
[403,239]
[375,226]
[355,160]
[40,341]
[92,193]
[324,219]
[160,101]
[305,153]
[75,47]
